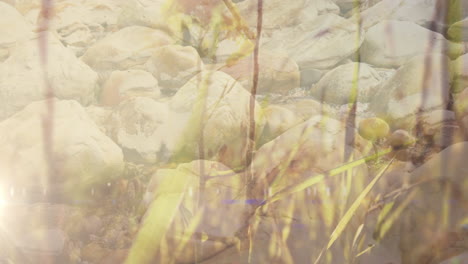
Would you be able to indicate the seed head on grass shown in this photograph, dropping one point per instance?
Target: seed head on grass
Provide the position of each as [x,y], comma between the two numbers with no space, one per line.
[373,129]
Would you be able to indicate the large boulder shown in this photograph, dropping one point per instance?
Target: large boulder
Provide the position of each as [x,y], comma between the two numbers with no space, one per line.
[142,127]
[174,65]
[422,84]
[148,13]
[125,84]
[129,47]
[346,5]
[219,108]
[13,28]
[459,30]
[277,73]
[80,158]
[79,24]
[24,77]
[316,145]
[276,13]
[278,119]
[460,73]
[208,117]
[392,43]
[321,44]
[337,85]
[439,186]
[432,14]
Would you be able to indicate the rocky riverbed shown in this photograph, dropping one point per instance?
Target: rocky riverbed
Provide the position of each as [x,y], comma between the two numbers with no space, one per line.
[182,131]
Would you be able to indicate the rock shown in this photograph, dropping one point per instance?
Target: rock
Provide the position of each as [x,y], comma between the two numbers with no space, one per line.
[277,73]
[80,24]
[401,95]
[379,11]
[278,120]
[309,147]
[23,80]
[321,44]
[276,13]
[446,135]
[323,7]
[395,177]
[174,65]
[298,155]
[336,86]
[393,43]
[444,179]
[431,14]
[100,116]
[459,31]
[82,158]
[310,77]
[307,108]
[129,47]
[423,13]
[140,125]
[151,131]
[125,84]
[461,103]
[433,121]
[401,139]
[225,209]
[13,28]
[144,13]
[346,5]
[460,71]
[224,107]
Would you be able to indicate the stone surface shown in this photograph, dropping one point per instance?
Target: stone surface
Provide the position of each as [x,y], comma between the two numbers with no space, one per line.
[460,73]
[306,107]
[309,147]
[79,24]
[322,7]
[174,65]
[459,30]
[402,95]
[392,43]
[224,106]
[100,116]
[276,13]
[140,126]
[320,44]
[83,157]
[278,120]
[13,28]
[277,73]
[426,13]
[125,84]
[159,131]
[23,76]
[336,86]
[461,103]
[346,5]
[129,47]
